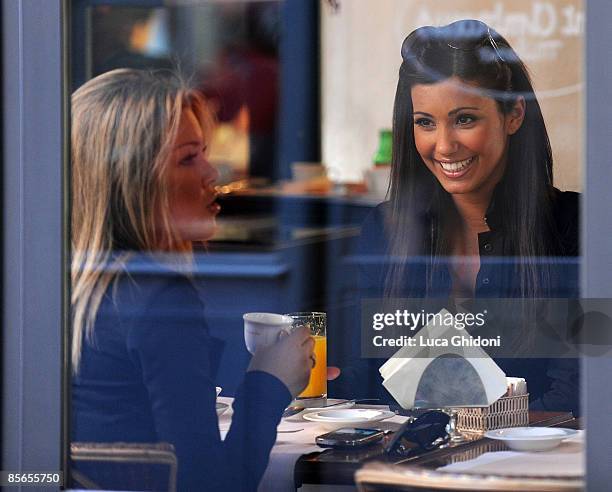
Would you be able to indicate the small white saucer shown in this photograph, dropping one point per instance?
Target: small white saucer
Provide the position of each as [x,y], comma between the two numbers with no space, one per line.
[221,408]
[531,438]
[349,417]
[318,406]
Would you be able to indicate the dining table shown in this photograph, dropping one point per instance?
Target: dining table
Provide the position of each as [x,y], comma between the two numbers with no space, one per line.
[296,462]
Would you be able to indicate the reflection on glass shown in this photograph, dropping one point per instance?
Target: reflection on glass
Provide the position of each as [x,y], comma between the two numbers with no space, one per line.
[230,49]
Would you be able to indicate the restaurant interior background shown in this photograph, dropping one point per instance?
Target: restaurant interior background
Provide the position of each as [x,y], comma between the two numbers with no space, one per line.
[309,81]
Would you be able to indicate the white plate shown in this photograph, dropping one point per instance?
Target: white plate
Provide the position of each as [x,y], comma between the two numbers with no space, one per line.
[337,405]
[334,419]
[531,438]
[336,402]
[221,408]
[349,414]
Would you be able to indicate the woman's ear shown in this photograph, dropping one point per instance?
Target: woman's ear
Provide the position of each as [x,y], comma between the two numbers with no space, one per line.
[514,119]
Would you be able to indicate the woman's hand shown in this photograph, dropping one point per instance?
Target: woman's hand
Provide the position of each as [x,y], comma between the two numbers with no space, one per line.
[290,360]
[332,373]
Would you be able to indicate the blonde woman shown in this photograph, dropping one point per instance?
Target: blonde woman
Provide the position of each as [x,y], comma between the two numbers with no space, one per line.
[143,360]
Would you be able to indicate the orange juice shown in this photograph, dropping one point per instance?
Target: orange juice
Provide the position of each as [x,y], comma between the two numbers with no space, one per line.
[317,384]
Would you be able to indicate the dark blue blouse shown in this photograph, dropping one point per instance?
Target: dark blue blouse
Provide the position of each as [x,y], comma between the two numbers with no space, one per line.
[553,384]
[148,375]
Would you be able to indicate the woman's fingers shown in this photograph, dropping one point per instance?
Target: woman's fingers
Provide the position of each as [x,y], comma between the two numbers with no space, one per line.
[301,334]
[332,373]
[309,343]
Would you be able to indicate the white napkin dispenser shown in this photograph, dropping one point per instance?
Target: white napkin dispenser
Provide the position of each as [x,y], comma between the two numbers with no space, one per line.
[443,376]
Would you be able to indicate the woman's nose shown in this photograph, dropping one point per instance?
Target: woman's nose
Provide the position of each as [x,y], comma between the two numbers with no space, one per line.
[211,173]
[446,142]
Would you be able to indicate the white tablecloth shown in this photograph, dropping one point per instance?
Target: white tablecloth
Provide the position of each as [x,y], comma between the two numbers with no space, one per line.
[278,476]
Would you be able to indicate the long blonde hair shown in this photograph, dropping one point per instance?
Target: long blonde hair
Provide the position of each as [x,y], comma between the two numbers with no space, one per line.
[124,125]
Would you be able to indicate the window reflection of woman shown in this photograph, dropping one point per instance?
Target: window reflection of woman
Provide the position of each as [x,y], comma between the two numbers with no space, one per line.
[471,182]
[144,362]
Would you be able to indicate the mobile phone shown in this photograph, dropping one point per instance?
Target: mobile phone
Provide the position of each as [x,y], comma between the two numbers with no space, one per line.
[349,438]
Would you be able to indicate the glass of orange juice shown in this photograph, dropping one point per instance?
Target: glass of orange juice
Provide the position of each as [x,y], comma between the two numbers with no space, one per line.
[317,323]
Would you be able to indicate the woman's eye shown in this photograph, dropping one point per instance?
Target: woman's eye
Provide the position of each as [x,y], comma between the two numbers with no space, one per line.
[465,119]
[187,160]
[423,122]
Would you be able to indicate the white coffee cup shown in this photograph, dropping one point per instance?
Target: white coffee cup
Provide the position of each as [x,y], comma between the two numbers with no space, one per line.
[263,329]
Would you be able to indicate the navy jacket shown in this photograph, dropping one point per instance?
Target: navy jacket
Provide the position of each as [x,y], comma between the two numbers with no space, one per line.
[148,375]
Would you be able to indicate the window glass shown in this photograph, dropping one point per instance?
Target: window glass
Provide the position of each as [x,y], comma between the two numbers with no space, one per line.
[438,221]
[228,49]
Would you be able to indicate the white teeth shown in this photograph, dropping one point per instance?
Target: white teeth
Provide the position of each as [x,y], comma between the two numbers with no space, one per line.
[454,167]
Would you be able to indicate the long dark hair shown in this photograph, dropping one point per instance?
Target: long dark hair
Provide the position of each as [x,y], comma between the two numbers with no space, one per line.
[474,53]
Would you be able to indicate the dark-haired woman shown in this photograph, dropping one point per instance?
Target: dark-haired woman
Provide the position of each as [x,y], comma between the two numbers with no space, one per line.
[472,210]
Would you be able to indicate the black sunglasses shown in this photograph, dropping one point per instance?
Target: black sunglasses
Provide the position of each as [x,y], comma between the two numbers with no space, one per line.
[427,431]
[465,35]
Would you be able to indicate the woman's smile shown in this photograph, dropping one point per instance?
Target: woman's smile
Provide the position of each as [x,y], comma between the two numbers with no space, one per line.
[458,168]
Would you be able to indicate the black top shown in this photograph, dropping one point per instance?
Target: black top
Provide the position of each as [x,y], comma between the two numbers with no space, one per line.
[496,277]
[149,376]
[552,383]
